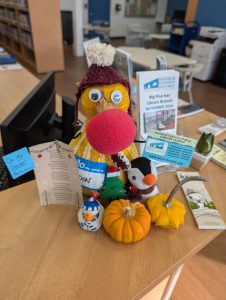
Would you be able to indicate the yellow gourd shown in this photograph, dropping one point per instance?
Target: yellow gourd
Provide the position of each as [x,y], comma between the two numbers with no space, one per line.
[126,222]
[167,217]
[167,211]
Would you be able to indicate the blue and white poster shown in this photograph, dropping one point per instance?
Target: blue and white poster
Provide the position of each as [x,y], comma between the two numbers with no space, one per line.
[169,148]
[158,97]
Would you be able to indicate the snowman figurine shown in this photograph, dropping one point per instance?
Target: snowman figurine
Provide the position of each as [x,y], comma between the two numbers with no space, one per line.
[90,214]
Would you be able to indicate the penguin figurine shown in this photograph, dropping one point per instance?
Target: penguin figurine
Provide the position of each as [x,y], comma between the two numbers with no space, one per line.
[143,176]
[90,214]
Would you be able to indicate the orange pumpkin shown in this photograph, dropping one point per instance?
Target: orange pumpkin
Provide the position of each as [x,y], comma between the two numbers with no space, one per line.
[126,222]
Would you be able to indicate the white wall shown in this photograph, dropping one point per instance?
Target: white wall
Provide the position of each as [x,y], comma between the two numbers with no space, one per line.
[78,27]
[119,23]
[66,4]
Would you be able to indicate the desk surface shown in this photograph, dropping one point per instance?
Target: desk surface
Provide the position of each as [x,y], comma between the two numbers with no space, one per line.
[159,36]
[97,28]
[44,254]
[147,57]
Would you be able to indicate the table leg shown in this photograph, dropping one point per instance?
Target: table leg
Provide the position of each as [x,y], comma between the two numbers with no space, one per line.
[172,283]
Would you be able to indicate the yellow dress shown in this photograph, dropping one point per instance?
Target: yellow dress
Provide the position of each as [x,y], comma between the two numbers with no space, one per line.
[84,154]
[92,165]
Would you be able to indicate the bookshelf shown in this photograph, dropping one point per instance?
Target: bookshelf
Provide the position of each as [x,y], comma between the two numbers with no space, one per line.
[31,30]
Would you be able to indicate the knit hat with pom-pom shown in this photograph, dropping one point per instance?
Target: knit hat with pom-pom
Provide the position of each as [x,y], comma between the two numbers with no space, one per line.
[100,72]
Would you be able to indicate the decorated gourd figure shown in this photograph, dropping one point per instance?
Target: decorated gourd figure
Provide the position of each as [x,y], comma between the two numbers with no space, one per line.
[90,214]
[105,96]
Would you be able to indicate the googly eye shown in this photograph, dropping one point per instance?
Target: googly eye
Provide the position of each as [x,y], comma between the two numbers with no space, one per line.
[95,95]
[116,96]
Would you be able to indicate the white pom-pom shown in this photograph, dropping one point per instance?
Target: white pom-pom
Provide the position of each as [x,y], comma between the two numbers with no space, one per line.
[101,54]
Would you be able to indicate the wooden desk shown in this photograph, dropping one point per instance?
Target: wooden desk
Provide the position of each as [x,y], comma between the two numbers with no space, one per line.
[159,36]
[147,57]
[44,254]
[105,30]
[97,28]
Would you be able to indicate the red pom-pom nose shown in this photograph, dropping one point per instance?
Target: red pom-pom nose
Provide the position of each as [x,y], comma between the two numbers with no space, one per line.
[111,131]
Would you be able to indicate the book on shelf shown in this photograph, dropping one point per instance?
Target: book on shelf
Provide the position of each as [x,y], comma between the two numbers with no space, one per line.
[201,204]
[217,127]
[219,156]
[188,110]
[7,59]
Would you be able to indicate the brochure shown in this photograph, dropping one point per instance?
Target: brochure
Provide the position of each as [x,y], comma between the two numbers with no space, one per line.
[188,110]
[217,127]
[157,102]
[169,148]
[219,156]
[202,207]
[56,174]
[158,96]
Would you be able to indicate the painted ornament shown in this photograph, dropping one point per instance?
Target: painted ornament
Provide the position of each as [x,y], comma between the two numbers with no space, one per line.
[143,176]
[90,214]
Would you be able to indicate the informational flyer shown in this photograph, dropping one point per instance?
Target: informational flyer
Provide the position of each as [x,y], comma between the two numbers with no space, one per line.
[169,148]
[56,174]
[158,97]
[217,127]
[201,204]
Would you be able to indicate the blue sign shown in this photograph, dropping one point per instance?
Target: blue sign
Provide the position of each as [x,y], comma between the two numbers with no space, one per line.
[169,148]
[19,162]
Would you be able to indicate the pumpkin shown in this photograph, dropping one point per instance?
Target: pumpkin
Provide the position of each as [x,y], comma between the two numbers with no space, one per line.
[126,222]
[167,217]
[167,211]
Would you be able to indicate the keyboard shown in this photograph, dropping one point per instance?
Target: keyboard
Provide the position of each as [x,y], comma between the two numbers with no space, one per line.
[4,182]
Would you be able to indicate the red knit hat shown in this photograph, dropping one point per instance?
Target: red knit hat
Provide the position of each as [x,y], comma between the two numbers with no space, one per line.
[101,72]
[98,75]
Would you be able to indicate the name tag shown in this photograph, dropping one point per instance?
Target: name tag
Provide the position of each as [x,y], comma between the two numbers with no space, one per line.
[92,174]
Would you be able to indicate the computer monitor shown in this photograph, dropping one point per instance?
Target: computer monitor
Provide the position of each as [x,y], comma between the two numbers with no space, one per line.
[179,15]
[35,121]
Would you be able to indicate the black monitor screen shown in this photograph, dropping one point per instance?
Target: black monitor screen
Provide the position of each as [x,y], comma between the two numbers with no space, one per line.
[31,122]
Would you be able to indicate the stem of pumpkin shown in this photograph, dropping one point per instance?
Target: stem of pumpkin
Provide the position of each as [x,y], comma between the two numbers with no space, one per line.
[129,212]
[168,203]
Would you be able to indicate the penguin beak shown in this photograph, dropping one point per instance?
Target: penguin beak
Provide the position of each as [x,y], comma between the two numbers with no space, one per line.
[88,217]
[149,179]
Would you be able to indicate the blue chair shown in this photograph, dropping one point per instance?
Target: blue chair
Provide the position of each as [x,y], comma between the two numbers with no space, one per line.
[181,34]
